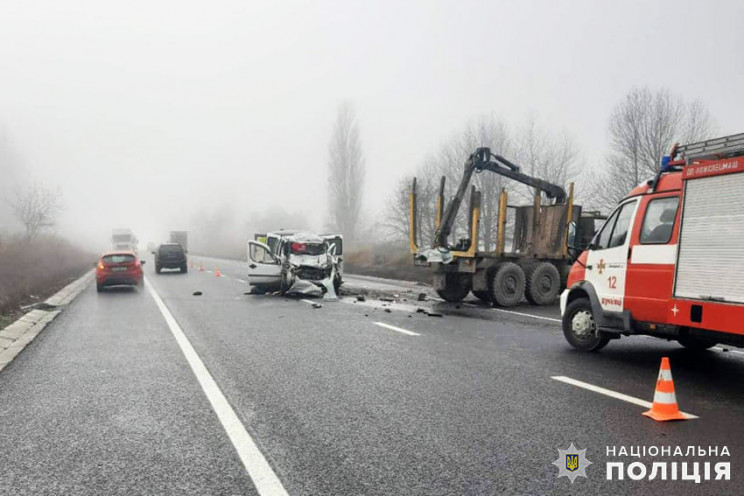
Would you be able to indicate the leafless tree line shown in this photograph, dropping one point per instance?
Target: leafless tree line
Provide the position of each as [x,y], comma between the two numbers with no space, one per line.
[642,128]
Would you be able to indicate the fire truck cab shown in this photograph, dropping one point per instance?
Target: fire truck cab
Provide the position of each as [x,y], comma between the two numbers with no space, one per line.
[669,260]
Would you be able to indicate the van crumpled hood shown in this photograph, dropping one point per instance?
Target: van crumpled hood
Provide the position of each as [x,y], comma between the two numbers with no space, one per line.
[317,261]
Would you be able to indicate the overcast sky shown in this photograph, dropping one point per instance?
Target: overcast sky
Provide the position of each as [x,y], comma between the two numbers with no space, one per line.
[143,112]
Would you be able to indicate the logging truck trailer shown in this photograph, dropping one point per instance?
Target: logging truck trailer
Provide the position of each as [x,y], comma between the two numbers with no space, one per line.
[533,264]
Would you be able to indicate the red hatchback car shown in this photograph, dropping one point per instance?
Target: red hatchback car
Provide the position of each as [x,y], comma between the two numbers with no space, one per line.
[118,268]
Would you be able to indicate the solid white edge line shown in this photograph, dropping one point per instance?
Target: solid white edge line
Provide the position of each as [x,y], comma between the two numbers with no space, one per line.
[396,329]
[240,280]
[264,479]
[610,393]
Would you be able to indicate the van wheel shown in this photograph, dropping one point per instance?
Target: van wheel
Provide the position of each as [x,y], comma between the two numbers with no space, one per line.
[456,287]
[543,283]
[184,268]
[579,326]
[99,288]
[157,269]
[483,296]
[507,284]
[696,344]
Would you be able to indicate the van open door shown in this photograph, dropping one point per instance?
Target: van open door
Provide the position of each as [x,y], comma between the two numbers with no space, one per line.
[338,241]
[264,269]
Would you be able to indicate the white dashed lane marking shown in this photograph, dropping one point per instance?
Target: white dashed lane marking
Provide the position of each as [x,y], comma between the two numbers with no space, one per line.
[396,329]
[609,392]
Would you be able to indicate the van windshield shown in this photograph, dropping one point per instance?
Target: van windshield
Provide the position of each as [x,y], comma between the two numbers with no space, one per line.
[307,248]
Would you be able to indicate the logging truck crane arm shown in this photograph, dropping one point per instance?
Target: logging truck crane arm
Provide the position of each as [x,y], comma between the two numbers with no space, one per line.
[483,160]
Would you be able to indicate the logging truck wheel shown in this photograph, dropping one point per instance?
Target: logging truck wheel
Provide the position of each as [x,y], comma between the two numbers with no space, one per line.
[456,288]
[543,283]
[507,284]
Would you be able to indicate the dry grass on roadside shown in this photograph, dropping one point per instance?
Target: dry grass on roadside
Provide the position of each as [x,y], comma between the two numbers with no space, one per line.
[390,261]
[31,271]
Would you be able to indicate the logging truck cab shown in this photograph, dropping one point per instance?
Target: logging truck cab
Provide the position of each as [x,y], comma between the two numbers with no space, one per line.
[668,260]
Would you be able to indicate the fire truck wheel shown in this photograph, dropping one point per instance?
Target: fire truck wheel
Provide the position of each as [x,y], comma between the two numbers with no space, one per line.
[483,296]
[696,344]
[456,287]
[543,283]
[579,326]
[507,284]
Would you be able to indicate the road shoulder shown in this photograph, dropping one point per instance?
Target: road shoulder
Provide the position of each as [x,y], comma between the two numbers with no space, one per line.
[15,337]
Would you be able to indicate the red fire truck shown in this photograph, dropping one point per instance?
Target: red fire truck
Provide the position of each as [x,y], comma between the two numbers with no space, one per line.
[669,261]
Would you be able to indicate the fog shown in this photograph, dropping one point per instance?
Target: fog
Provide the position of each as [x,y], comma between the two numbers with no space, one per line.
[158,115]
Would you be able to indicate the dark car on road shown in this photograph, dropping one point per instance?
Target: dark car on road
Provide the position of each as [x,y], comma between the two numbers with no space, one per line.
[118,268]
[170,256]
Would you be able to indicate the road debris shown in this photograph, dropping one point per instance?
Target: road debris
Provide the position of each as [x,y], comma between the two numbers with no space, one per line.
[197,293]
[361,298]
[302,287]
[421,297]
[317,305]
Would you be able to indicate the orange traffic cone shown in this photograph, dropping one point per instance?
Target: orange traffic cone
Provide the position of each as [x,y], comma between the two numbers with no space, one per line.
[201,267]
[665,402]
[217,272]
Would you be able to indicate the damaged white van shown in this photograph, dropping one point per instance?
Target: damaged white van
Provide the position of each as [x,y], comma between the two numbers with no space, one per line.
[295,262]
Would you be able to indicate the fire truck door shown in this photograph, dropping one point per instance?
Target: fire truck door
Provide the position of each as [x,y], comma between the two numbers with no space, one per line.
[607,260]
[650,274]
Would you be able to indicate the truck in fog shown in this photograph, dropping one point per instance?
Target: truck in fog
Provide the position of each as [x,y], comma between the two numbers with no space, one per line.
[123,239]
[180,237]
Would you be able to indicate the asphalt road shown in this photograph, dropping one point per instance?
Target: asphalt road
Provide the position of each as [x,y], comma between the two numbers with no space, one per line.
[351,398]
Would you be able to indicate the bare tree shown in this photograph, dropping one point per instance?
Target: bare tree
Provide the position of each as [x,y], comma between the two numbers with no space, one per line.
[346,171]
[553,158]
[36,207]
[397,212]
[643,127]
